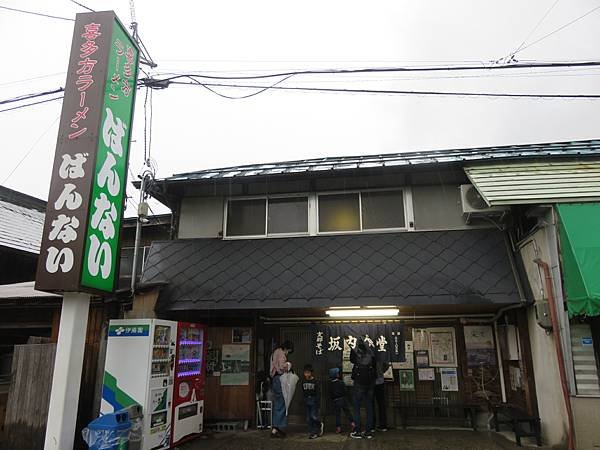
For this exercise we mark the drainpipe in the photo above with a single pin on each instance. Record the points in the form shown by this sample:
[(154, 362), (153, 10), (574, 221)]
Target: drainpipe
[(559, 353)]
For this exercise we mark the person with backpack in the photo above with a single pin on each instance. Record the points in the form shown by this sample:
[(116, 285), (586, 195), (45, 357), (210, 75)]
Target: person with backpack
[(279, 365), (363, 374)]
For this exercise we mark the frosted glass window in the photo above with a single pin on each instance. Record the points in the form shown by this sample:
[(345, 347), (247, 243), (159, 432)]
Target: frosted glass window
[(382, 209), (339, 212), (288, 215), (246, 217)]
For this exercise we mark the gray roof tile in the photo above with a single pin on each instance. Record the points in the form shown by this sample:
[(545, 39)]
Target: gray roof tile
[(442, 267), (20, 227)]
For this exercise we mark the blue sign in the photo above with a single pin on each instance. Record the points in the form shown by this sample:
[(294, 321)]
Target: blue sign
[(129, 330), (587, 341)]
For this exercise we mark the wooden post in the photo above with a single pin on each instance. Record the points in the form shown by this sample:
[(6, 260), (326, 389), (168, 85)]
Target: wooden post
[(66, 380)]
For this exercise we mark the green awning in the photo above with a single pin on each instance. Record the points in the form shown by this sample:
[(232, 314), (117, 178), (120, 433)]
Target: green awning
[(580, 249)]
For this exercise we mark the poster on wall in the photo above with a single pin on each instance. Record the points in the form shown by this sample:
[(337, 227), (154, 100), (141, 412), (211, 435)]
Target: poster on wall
[(213, 364), (348, 381), (241, 336), (409, 362), (407, 380), (442, 347), (422, 358), (420, 339), (515, 378), (426, 374), (479, 345), (388, 375), (235, 365), (449, 378)]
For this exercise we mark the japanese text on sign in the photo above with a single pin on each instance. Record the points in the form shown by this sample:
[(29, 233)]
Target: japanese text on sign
[(86, 77)]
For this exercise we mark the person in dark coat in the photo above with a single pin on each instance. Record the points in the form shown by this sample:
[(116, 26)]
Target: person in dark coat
[(337, 392), (363, 374)]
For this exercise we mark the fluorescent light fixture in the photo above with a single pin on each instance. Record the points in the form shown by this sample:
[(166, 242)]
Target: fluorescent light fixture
[(345, 307), (378, 312)]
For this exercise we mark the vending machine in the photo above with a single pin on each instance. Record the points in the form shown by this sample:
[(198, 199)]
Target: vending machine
[(139, 369), (188, 392)]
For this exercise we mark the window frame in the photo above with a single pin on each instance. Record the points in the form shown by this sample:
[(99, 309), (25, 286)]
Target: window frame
[(407, 203), (312, 216), (266, 198)]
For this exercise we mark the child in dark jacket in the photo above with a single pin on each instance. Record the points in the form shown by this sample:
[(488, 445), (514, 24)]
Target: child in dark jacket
[(337, 391), (312, 400)]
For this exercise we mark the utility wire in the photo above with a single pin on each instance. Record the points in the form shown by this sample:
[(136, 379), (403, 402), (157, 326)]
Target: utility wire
[(262, 89), (393, 69), (36, 13), (29, 96), (284, 76), (30, 150), (31, 104), (32, 78), (83, 6), (534, 29), (394, 92), (559, 28)]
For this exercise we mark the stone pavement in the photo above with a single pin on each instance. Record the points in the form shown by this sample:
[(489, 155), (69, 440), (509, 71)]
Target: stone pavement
[(414, 439)]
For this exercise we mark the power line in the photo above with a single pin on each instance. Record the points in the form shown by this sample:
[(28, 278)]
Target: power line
[(36, 13), (29, 96), (83, 6), (243, 96), (32, 78), (30, 150), (31, 104), (559, 28), (395, 92), (533, 30), (530, 65)]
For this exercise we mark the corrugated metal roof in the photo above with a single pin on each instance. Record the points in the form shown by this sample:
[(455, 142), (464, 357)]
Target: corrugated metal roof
[(548, 150), (20, 227), (551, 182), (23, 290)]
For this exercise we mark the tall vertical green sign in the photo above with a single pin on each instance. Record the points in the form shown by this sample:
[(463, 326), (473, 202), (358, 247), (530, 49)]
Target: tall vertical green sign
[(79, 250), (100, 261)]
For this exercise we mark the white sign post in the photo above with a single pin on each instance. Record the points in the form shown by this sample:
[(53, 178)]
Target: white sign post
[(68, 364)]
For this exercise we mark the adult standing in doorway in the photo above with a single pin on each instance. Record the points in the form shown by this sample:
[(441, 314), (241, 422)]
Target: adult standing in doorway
[(279, 365), (363, 374), (381, 366)]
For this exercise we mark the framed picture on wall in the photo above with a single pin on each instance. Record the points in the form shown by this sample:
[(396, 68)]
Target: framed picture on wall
[(407, 380), (442, 347), (241, 336)]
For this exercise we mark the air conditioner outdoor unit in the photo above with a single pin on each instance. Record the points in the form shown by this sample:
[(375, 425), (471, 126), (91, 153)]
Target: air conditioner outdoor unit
[(473, 204)]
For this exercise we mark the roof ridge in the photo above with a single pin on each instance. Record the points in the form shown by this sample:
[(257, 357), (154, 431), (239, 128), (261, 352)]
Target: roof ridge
[(406, 155)]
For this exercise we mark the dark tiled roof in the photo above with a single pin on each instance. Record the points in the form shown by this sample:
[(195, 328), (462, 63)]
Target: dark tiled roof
[(523, 151), (416, 268)]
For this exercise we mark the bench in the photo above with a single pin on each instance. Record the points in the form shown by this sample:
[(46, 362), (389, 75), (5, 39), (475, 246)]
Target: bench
[(469, 410), (508, 414)]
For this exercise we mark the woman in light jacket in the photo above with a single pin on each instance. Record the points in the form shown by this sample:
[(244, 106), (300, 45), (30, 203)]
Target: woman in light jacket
[(279, 365)]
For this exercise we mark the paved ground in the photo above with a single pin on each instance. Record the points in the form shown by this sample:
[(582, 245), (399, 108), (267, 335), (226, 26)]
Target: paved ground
[(421, 439)]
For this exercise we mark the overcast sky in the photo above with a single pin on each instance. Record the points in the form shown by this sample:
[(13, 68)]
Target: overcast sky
[(194, 129)]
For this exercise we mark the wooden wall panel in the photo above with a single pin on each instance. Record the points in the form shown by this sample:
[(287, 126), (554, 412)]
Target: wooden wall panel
[(29, 396), (229, 402)]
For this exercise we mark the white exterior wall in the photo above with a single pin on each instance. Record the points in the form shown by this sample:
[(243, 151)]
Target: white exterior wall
[(550, 401), (434, 207)]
